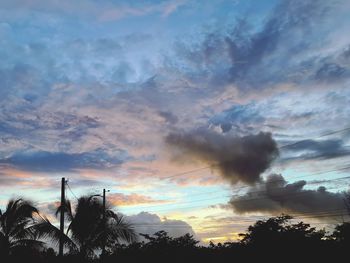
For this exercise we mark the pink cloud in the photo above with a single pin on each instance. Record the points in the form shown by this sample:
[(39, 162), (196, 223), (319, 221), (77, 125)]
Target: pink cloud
[(120, 199)]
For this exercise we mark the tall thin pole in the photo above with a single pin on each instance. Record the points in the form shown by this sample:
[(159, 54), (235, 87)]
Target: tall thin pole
[(104, 203), (63, 203), (104, 223)]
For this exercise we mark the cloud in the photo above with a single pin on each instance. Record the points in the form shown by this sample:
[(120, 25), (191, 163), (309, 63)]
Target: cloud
[(123, 72), (120, 199), (331, 72), (238, 159), (74, 91), (9, 181), (316, 149), (286, 47), (147, 223), (239, 118), (169, 117), (276, 196), (104, 11), (62, 162)]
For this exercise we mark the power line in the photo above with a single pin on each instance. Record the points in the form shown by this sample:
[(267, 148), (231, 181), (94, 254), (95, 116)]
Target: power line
[(237, 189), (243, 200), (283, 146), (320, 214), (189, 172), (276, 180), (320, 136), (243, 187), (70, 190), (261, 191), (280, 147)]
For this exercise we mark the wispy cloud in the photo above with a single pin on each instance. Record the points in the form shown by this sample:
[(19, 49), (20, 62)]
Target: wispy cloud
[(120, 199)]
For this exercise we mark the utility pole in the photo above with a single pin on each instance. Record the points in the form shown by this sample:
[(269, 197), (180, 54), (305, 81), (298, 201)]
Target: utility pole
[(104, 222), (104, 203), (63, 204)]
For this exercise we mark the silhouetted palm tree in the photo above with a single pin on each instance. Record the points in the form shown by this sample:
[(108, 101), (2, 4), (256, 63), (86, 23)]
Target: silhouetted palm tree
[(16, 226), (88, 230)]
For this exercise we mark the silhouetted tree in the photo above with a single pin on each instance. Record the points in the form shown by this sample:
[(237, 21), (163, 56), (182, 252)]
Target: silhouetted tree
[(347, 202), (161, 240), (159, 247), (87, 230), (264, 231), (342, 233), (278, 231), (16, 224)]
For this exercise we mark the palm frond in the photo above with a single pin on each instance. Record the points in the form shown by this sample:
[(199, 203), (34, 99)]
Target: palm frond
[(17, 216), (35, 244), (117, 228), (21, 231), (44, 229)]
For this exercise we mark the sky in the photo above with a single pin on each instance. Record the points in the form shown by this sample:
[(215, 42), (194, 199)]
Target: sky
[(198, 116)]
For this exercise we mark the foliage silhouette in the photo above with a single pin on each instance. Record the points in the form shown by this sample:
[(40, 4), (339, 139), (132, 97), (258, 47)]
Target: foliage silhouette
[(342, 233), (279, 231), (87, 231), (16, 224)]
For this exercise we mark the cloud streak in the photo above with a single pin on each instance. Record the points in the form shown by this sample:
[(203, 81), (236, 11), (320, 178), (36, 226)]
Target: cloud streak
[(103, 11), (120, 199), (63, 162), (317, 149)]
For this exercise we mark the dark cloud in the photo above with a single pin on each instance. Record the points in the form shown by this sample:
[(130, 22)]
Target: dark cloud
[(276, 196), (225, 127), (169, 117), (236, 158), (60, 161), (313, 149)]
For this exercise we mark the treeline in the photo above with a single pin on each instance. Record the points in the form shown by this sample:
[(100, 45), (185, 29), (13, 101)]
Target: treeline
[(27, 236), (274, 239)]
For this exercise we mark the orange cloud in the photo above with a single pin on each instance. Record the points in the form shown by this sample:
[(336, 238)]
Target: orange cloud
[(9, 171), (120, 199)]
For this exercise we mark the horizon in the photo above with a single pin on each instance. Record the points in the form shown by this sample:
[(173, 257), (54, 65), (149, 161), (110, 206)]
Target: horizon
[(197, 116)]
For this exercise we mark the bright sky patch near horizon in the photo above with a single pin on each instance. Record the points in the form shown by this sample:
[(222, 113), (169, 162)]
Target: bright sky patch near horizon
[(170, 105)]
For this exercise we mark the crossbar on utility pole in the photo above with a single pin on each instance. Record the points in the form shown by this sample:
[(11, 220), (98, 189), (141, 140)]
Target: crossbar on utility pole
[(63, 204)]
